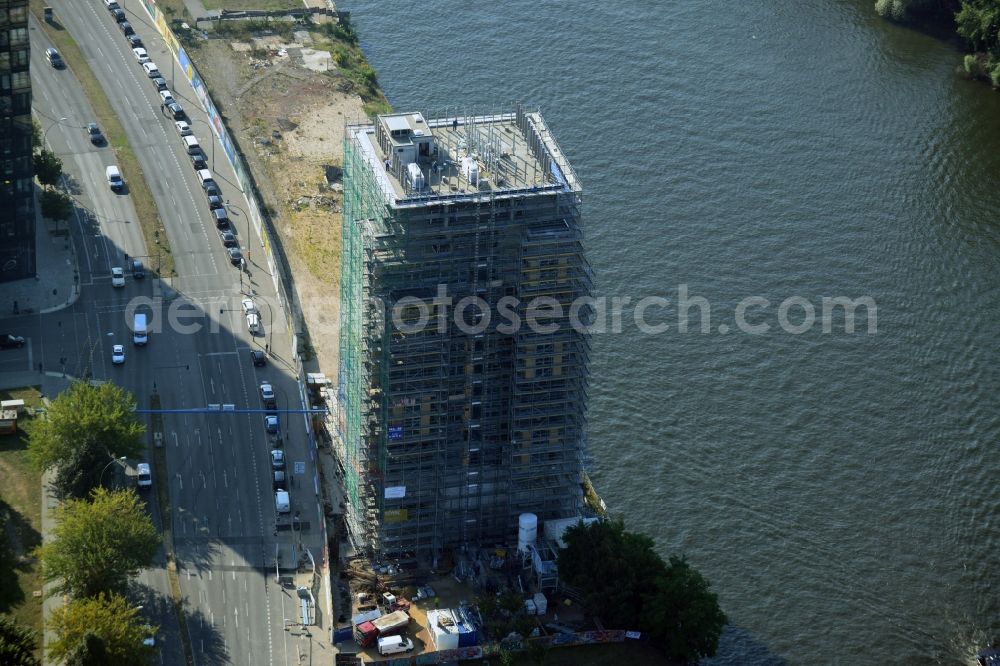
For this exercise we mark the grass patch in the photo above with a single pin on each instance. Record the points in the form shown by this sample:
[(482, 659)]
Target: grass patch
[(142, 198), (263, 5), (21, 521)]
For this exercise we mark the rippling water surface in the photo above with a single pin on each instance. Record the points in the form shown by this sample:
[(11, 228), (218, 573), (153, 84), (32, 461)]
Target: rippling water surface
[(838, 489)]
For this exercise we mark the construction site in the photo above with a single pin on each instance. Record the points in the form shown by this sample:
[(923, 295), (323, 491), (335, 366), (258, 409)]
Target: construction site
[(457, 411)]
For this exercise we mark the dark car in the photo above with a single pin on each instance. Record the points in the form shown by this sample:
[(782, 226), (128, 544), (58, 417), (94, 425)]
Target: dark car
[(176, 110), (221, 217), (134, 41), (279, 480), (118, 14), (198, 161), (112, 6), (258, 357), (138, 272), (228, 239), (94, 132), (235, 256), (8, 341), (126, 28), (214, 202), (211, 189), (160, 83)]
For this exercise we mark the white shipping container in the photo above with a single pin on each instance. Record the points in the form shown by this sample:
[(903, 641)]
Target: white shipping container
[(541, 603), (529, 607)]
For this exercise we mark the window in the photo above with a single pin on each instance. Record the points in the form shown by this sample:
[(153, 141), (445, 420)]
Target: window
[(18, 36), (20, 80), (19, 58), (18, 14)]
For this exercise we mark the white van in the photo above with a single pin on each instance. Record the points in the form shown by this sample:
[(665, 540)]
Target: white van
[(139, 329), (205, 176), (143, 478), (394, 645), (151, 70), (191, 144), (281, 503), (253, 323), (114, 177)]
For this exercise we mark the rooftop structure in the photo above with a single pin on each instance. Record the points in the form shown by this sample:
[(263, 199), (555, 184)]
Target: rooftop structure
[(456, 415)]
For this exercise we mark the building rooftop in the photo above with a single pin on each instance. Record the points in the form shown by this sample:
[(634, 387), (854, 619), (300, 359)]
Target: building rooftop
[(417, 161)]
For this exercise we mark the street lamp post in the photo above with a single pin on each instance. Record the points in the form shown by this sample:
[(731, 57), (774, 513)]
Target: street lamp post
[(113, 461), (211, 133), (230, 204), (45, 135)]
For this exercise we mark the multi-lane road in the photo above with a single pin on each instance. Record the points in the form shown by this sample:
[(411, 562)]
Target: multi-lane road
[(226, 533)]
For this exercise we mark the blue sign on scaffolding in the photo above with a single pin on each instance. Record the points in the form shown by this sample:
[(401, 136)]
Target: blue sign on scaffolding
[(395, 432)]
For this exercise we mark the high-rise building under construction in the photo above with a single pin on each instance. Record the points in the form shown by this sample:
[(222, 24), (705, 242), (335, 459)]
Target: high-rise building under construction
[(463, 366)]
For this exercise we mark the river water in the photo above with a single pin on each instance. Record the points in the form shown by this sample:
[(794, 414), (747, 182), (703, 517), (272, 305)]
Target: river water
[(838, 489)]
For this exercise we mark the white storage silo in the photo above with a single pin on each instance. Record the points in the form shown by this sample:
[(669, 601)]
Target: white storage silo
[(527, 531)]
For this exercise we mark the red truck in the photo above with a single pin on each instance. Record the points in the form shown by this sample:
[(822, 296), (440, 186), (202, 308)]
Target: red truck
[(367, 633)]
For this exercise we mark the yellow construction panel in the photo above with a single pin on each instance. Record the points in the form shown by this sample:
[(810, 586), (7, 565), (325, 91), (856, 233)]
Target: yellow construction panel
[(396, 515)]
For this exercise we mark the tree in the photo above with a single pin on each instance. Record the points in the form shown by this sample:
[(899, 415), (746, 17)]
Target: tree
[(96, 546), (48, 167), (91, 651), (109, 618), (105, 413), (83, 470), (620, 575), (978, 22), (17, 644), (682, 613), (36, 135), (56, 205)]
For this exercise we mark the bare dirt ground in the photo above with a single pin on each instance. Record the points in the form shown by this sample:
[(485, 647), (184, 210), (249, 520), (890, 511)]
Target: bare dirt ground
[(289, 122)]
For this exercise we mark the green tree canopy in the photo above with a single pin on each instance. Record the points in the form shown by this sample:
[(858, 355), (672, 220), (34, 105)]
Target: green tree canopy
[(17, 644), (85, 468), (48, 167), (56, 205), (105, 413), (91, 651), (978, 21), (624, 580), (111, 619), (96, 546)]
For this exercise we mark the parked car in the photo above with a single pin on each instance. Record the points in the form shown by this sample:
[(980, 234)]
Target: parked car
[(267, 395), (215, 201), (167, 97), (271, 424), (134, 40), (94, 132), (227, 237), (277, 459), (248, 306), (119, 15), (110, 4), (258, 358), (176, 111), (198, 161), (140, 55), (126, 28), (150, 68), (278, 481), (160, 83), (235, 256), (118, 354), (8, 341), (54, 58), (143, 477), (221, 217), (182, 127)]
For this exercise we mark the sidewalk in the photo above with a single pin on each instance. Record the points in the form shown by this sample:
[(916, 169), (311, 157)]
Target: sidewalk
[(56, 284)]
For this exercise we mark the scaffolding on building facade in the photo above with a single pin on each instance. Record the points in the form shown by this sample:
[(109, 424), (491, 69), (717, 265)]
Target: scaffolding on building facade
[(454, 419)]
